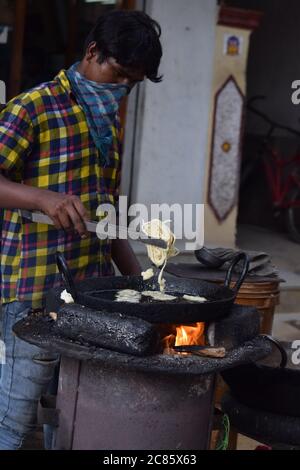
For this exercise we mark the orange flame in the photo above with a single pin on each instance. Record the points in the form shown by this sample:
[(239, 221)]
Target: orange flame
[(190, 335), (185, 335)]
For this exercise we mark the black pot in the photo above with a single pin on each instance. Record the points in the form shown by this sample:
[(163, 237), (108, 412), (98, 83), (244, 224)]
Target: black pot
[(269, 386)]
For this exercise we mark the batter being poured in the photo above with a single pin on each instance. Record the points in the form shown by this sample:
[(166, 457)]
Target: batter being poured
[(160, 256)]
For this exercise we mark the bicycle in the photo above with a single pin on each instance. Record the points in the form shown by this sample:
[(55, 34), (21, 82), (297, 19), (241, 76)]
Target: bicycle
[(284, 186)]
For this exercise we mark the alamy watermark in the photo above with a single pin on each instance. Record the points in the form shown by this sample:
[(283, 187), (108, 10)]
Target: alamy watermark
[(296, 353), (296, 93), (2, 92), (2, 353), (186, 221)]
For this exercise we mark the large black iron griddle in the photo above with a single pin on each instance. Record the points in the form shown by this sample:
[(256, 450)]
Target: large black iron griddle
[(92, 293)]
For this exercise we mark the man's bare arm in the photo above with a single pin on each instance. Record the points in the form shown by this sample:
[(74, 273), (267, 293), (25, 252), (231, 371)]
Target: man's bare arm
[(125, 259), (66, 211)]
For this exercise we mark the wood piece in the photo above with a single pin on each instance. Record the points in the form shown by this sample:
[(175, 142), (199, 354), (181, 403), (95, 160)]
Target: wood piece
[(211, 352), (202, 351), (108, 330)]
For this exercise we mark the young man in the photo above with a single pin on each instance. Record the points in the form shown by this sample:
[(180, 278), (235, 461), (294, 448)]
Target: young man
[(60, 154)]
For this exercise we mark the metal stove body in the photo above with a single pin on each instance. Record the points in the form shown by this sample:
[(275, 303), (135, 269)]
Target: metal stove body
[(145, 403), (104, 407)]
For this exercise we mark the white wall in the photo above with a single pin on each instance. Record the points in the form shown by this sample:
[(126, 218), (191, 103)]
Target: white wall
[(169, 151)]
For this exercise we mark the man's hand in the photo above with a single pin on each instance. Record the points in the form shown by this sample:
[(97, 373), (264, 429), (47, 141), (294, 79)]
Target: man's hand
[(67, 212)]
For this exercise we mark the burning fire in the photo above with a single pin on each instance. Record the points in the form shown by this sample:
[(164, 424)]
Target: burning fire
[(191, 335)]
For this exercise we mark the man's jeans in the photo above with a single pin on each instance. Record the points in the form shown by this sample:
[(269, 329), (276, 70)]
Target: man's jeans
[(25, 376)]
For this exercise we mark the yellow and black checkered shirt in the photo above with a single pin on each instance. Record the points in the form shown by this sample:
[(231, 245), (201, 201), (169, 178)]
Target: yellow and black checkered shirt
[(45, 142)]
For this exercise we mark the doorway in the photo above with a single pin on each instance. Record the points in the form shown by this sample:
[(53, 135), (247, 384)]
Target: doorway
[(272, 67), (44, 37)]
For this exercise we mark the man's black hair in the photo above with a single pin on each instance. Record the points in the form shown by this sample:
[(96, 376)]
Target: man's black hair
[(132, 38)]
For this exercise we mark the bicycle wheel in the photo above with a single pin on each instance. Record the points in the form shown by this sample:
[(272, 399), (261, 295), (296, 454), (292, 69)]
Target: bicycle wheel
[(293, 217)]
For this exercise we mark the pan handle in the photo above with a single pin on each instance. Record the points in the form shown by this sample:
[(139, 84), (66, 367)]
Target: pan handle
[(66, 274), (239, 257), (284, 357)]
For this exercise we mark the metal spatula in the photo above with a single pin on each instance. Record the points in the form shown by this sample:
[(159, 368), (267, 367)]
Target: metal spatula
[(94, 227)]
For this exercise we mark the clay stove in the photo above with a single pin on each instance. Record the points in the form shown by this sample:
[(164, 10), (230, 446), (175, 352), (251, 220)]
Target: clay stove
[(114, 401)]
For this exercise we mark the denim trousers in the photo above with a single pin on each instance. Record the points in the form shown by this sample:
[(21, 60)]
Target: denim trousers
[(25, 376)]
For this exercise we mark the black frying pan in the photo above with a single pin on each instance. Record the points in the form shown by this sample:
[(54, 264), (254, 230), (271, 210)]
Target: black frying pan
[(271, 385), (99, 293)]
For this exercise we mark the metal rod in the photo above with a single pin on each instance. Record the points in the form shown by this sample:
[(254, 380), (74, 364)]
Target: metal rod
[(110, 230)]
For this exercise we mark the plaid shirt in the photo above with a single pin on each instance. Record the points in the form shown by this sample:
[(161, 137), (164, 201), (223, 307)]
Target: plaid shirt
[(45, 142)]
